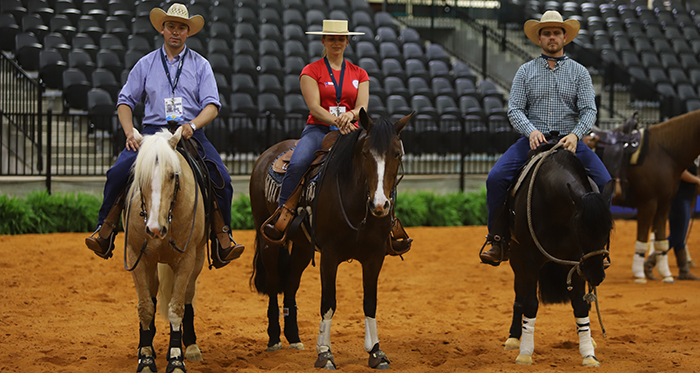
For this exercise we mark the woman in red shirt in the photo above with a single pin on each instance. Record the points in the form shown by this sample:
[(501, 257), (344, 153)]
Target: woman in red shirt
[(334, 90)]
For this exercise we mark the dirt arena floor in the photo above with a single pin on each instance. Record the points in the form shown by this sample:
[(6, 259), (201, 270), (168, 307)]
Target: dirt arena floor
[(440, 310)]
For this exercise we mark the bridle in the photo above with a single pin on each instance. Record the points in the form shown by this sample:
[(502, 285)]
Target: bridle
[(144, 214)]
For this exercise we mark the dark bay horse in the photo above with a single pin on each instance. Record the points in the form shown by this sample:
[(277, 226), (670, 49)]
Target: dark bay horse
[(351, 221), (560, 230), (165, 237), (672, 147)]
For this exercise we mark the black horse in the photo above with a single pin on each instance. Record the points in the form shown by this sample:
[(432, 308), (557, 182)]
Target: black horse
[(560, 231), (351, 221)]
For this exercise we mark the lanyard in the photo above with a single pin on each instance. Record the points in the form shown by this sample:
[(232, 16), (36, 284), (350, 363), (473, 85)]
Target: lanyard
[(338, 87), (179, 70)]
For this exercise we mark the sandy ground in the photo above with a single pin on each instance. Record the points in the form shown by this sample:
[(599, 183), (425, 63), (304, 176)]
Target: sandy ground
[(440, 310)]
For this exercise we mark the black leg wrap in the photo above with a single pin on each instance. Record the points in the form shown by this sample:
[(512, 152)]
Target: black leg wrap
[(378, 359), (188, 335), (273, 325), (175, 340), (291, 329)]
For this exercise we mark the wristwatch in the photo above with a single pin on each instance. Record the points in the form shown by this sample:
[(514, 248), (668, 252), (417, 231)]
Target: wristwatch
[(194, 128)]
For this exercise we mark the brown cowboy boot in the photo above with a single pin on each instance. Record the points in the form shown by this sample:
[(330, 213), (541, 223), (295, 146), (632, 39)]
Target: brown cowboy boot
[(102, 240), (224, 248), (400, 242), (275, 233), (683, 267), (497, 253)]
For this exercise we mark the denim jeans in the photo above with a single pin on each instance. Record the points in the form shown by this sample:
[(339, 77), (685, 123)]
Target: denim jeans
[(311, 139), (506, 168), (118, 175)]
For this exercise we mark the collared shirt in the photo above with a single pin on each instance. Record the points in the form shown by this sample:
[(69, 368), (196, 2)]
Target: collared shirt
[(560, 99), (196, 86)]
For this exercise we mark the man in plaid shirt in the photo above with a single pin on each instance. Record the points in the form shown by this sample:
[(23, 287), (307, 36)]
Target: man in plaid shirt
[(550, 93)]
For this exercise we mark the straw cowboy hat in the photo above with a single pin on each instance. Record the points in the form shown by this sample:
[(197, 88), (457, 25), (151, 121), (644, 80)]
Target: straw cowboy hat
[(551, 18), (334, 27), (176, 13)]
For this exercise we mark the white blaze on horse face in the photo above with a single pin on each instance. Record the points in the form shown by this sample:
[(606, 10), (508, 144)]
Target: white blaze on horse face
[(154, 212), (379, 199)]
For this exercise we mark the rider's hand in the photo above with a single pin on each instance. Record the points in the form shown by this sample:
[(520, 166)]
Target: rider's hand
[(536, 138), (133, 140), (569, 142), (344, 122)]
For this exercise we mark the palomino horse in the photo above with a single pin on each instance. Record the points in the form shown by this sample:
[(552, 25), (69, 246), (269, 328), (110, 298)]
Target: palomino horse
[(560, 231), (170, 229), (671, 148), (352, 221)]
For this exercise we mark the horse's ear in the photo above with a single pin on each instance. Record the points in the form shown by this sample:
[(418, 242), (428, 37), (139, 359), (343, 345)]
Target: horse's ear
[(608, 190), (365, 120), (176, 138), (398, 126)]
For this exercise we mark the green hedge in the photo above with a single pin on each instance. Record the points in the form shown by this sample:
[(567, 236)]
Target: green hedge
[(40, 212)]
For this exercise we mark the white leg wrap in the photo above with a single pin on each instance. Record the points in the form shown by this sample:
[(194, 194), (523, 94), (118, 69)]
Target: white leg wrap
[(371, 336), (585, 343), (527, 340), (323, 343), (640, 248), (660, 248)]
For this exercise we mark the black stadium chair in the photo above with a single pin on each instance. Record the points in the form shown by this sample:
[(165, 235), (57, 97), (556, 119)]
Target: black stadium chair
[(101, 108), (51, 68), (9, 30), (75, 89), (104, 79), (27, 53)]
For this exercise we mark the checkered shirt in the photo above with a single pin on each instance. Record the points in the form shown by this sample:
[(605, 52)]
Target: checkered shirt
[(561, 100)]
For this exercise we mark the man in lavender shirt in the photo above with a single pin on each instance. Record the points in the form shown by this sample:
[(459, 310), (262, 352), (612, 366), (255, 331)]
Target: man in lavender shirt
[(179, 85)]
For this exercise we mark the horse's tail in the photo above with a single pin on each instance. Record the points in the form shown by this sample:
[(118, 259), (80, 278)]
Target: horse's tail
[(166, 279), (259, 277), (553, 283)]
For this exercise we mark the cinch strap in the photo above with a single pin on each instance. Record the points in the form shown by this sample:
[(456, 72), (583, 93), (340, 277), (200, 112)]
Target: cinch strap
[(179, 69), (338, 87)]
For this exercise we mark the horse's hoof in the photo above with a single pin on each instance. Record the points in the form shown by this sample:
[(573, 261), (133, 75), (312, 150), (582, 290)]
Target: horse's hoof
[(640, 280), (591, 361), (275, 347), (383, 366), (176, 365), (325, 361), (524, 360), (512, 344), (668, 280), (296, 346), (192, 353)]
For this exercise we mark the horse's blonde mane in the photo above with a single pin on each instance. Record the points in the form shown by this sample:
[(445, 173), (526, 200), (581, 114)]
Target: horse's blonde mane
[(155, 150)]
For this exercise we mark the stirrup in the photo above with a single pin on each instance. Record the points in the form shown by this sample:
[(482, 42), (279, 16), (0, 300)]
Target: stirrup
[(495, 241), (272, 221), (104, 254)]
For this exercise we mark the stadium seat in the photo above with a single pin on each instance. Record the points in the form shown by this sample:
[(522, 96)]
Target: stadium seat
[(75, 89), (410, 35), (270, 104), (101, 108), (271, 65), (394, 85), (269, 15), (56, 41), (51, 67), (376, 88), (269, 83), (243, 103), (364, 49), (376, 106), (390, 50), (243, 83), (9, 30), (293, 16), (371, 67), (396, 104), (293, 32), (244, 64), (442, 86), (28, 49), (294, 65), (418, 86), (269, 47), (34, 24), (446, 106), (439, 69), (387, 35), (110, 60), (393, 68), (469, 105), (244, 47), (115, 26), (271, 32), (435, 52), (488, 88), (245, 31), (362, 18), (89, 25), (423, 105), (315, 17), (294, 104), (104, 79), (416, 68)]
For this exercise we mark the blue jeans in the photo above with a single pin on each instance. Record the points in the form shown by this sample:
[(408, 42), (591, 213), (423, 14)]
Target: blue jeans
[(503, 172), (311, 139), (118, 176), (678, 221)]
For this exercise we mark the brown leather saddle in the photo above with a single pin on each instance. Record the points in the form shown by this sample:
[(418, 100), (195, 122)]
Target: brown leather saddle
[(280, 164), (619, 148)]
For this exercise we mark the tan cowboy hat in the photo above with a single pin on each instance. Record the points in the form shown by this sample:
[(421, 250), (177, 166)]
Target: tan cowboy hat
[(551, 18), (176, 13), (334, 27)]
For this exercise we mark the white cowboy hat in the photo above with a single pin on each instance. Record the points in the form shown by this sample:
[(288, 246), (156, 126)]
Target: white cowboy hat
[(551, 18), (334, 27), (176, 13)]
